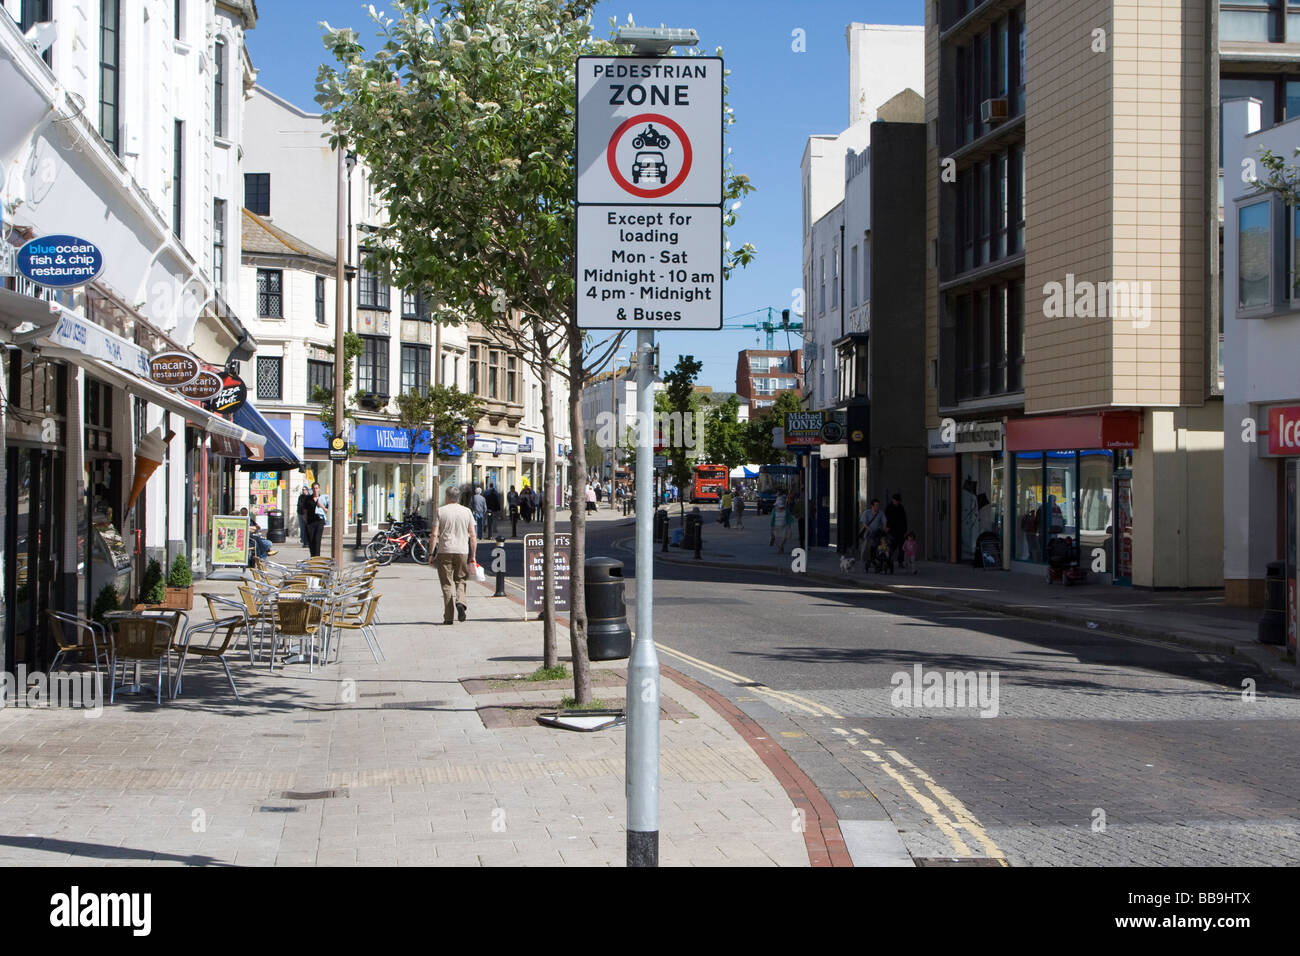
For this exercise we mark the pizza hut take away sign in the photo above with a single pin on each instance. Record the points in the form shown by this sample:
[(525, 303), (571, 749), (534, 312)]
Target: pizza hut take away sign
[(233, 394)]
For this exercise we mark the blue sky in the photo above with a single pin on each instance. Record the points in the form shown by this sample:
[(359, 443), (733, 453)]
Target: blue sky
[(780, 98)]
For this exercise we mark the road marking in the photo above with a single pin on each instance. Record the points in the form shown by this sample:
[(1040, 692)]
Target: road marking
[(928, 806), (794, 700), (964, 818)]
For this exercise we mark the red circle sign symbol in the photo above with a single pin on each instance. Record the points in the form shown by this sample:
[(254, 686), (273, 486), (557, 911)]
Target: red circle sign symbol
[(612, 160)]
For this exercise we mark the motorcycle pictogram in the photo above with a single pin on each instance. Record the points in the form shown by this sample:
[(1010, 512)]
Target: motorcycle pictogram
[(651, 136)]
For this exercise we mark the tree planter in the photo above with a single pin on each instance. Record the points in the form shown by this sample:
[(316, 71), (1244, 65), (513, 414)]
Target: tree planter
[(179, 599)]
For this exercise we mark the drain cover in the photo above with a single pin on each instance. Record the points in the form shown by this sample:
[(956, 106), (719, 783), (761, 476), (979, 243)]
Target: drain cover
[(957, 861), (278, 809), (312, 795)]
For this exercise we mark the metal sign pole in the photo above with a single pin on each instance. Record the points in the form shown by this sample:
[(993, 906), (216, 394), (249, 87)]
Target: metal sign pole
[(642, 764)]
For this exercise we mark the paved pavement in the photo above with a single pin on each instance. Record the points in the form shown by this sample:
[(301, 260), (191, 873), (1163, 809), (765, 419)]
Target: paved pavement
[(1196, 619), (365, 763)]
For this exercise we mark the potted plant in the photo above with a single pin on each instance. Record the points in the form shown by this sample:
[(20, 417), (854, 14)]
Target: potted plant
[(180, 586), (152, 590), (105, 602)]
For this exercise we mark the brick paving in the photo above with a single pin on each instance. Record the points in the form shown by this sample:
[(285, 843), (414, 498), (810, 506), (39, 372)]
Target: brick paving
[(363, 763)]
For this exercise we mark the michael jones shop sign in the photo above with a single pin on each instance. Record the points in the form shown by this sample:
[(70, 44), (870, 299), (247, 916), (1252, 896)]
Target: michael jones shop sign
[(60, 262)]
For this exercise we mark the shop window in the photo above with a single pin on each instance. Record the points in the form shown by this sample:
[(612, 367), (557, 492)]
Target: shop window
[(1096, 503), (270, 378), (1028, 492), (270, 293), (981, 500), (98, 416), (320, 376)]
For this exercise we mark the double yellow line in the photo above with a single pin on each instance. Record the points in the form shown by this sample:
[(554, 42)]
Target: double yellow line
[(785, 697), (950, 823)]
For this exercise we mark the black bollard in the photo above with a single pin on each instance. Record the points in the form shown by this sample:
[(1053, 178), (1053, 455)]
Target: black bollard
[(358, 546), (501, 575), (514, 523)]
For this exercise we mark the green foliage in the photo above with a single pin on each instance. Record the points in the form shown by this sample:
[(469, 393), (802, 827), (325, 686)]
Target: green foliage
[(353, 346), (571, 703), (107, 600), (180, 576), (465, 119), (725, 436), (434, 416), (151, 584), (758, 438), (1283, 178), (558, 672), (679, 397)]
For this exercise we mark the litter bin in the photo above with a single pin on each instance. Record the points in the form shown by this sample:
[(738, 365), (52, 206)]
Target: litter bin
[(1272, 626), (275, 526), (609, 638), (694, 538), (661, 524)]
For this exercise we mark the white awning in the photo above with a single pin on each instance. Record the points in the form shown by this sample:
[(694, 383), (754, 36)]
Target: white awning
[(17, 310), (157, 395)]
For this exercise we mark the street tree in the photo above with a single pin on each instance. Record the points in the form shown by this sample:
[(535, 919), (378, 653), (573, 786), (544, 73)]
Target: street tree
[(465, 118), (433, 417), (758, 438), (681, 405), (724, 434), (353, 346)]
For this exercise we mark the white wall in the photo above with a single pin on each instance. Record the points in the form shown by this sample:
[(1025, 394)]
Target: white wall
[(884, 59)]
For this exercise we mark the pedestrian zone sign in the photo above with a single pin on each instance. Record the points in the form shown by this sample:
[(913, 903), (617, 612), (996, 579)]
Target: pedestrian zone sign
[(649, 192)]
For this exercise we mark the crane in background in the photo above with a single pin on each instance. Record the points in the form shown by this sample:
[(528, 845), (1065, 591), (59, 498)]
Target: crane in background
[(732, 323)]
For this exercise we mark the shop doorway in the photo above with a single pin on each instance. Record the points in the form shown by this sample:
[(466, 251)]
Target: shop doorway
[(1122, 537), (940, 491), (34, 533)]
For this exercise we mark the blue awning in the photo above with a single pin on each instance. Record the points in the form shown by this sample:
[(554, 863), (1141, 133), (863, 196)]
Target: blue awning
[(279, 456)]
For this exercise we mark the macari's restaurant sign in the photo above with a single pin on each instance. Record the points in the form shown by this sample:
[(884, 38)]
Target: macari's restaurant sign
[(173, 369)]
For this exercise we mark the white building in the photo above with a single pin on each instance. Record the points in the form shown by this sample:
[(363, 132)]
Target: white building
[(884, 60), (291, 177), (122, 128), (1261, 340)]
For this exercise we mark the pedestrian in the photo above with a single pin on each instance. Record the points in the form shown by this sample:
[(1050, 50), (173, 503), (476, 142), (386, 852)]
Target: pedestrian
[(456, 542), (738, 510), (909, 552), (873, 527), (493, 498), (526, 506), (795, 506), (512, 502), (724, 509), (896, 525), (780, 523), (304, 510), (315, 511), (260, 543), (591, 498), (480, 510), (599, 492)]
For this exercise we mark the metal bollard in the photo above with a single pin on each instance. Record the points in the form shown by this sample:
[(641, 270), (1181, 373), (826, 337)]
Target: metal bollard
[(695, 530), (514, 522), (358, 545), (501, 575)]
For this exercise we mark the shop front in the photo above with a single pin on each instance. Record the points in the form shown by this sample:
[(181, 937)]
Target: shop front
[(980, 492), (1071, 477), (1283, 446), (381, 473)]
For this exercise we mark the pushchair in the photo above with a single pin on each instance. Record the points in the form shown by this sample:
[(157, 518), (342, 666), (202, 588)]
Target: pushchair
[(1063, 562), (880, 554)]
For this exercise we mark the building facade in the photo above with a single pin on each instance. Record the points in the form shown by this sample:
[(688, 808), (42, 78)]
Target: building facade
[(1071, 288), (763, 375), (123, 128)]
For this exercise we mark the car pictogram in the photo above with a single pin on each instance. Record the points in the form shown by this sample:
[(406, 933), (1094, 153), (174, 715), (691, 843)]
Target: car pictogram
[(649, 164)]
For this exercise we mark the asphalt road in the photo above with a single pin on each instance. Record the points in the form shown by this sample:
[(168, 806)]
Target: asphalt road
[(1053, 745)]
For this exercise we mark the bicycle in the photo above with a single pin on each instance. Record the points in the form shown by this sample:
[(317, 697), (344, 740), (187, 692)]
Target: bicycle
[(411, 543)]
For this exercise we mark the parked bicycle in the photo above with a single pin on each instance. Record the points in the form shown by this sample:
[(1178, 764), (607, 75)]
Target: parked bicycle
[(391, 545)]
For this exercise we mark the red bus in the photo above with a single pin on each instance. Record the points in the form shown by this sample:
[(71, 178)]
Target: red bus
[(711, 481)]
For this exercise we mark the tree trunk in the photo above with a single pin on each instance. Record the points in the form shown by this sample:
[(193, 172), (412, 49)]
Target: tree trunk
[(549, 651), (578, 525)]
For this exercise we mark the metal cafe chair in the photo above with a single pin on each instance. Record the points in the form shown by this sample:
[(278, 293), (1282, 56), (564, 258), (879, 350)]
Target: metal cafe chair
[(144, 637), (75, 635), (219, 634), (300, 619), (358, 614)]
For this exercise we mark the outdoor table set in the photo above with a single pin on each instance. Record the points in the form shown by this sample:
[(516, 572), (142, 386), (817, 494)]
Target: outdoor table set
[(307, 609)]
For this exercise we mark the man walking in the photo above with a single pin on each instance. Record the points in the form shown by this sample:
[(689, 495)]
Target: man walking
[(453, 531), (896, 525), (480, 510), (493, 498)]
